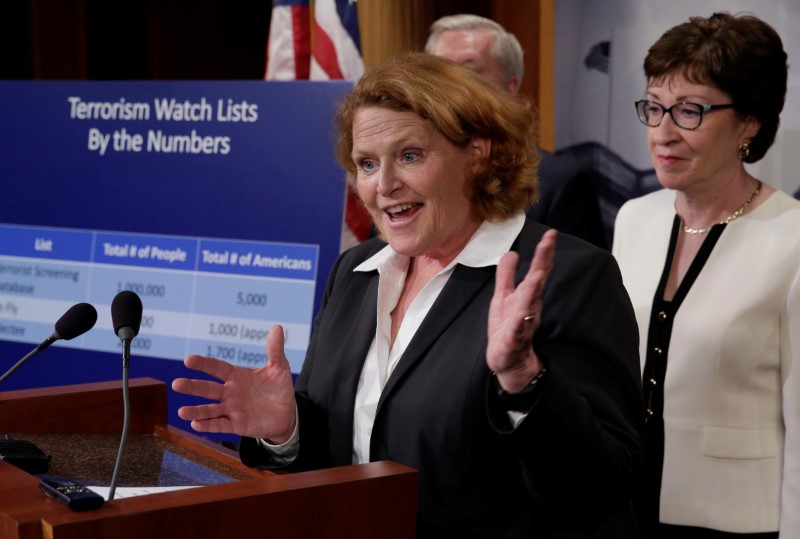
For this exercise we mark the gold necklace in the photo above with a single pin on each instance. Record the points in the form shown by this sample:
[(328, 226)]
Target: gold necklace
[(732, 217)]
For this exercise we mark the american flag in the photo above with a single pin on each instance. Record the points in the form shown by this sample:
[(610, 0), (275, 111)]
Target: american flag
[(337, 43), (336, 55), (289, 45)]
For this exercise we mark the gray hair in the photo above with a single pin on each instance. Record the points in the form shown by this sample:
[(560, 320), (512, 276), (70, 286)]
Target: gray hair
[(506, 51)]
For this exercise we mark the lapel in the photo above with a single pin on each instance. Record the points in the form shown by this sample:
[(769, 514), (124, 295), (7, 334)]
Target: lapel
[(359, 336), (453, 301), (359, 304)]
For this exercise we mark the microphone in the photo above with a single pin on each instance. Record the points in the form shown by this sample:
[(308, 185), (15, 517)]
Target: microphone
[(126, 315), (78, 319)]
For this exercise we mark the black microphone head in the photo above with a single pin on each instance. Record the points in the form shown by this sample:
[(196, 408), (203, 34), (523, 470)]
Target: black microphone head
[(126, 312), (79, 319)]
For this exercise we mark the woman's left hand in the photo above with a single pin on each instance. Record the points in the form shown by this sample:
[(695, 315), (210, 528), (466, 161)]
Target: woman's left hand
[(515, 314)]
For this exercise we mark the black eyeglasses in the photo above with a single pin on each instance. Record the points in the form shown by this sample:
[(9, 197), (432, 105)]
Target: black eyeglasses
[(685, 115)]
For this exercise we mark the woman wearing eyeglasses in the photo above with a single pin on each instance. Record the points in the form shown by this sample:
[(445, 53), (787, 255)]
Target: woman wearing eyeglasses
[(712, 265)]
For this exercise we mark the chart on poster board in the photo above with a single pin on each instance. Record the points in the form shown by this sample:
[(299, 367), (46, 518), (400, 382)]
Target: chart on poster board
[(219, 203)]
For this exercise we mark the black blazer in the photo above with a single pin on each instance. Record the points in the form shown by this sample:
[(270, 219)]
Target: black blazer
[(566, 471)]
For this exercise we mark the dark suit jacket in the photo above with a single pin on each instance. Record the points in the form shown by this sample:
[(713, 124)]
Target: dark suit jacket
[(567, 469), (568, 200)]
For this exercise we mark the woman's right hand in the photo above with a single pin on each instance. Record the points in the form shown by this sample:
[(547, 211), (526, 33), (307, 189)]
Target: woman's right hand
[(258, 403)]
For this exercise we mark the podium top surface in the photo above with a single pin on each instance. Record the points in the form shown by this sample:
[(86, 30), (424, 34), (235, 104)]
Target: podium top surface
[(148, 461)]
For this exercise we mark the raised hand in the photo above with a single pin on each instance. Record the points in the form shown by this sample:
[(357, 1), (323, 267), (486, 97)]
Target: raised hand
[(515, 314), (250, 402)]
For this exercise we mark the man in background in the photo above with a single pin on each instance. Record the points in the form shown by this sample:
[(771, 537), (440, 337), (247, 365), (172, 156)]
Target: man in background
[(568, 201), (481, 45)]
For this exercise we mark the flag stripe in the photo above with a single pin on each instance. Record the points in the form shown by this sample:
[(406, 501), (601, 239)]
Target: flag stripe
[(301, 17), (288, 49), (325, 54), (339, 46)]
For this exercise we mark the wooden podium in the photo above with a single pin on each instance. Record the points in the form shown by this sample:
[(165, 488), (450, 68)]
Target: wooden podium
[(80, 427)]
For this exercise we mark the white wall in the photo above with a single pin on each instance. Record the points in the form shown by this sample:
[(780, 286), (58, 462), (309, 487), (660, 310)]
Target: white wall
[(591, 106)]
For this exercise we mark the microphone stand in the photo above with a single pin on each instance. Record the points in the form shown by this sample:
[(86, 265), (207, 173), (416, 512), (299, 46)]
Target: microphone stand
[(76, 321), (126, 359), (44, 344)]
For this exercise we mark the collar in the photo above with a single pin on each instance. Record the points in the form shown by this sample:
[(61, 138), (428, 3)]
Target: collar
[(484, 248)]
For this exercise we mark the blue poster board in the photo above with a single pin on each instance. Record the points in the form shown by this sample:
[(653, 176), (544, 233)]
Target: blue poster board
[(219, 203)]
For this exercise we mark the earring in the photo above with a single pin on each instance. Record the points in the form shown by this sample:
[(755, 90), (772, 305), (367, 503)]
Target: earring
[(744, 150)]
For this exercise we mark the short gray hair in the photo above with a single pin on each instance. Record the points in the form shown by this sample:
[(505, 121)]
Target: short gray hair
[(506, 51)]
